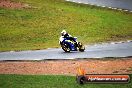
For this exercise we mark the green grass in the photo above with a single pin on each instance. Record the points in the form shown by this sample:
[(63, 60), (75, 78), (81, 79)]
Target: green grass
[(39, 28), (50, 81)]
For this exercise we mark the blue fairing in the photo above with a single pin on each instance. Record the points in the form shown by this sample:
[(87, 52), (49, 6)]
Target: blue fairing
[(70, 44)]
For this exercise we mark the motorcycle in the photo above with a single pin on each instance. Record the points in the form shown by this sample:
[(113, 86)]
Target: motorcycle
[(68, 45)]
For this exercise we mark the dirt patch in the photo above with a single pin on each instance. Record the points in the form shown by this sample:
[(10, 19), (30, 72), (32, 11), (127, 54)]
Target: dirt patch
[(68, 67), (13, 5)]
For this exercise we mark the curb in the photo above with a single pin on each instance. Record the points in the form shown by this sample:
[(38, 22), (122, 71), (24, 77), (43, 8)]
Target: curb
[(90, 44), (125, 10), (127, 41)]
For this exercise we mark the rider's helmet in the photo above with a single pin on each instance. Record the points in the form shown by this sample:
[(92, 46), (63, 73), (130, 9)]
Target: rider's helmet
[(63, 32)]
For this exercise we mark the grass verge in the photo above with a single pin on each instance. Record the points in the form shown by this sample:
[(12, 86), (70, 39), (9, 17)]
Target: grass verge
[(39, 28), (50, 81)]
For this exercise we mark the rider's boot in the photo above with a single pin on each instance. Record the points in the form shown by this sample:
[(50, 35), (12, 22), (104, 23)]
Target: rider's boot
[(76, 43)]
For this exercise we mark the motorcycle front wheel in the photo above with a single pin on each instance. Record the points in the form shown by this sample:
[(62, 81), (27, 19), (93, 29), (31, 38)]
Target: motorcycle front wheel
[(65, 47)]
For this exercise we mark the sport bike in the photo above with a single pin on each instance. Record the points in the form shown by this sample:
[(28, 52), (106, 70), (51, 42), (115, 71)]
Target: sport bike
[(69, 45)]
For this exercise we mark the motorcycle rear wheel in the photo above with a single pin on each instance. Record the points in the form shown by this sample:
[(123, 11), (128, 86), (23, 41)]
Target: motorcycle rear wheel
[(81, 47)]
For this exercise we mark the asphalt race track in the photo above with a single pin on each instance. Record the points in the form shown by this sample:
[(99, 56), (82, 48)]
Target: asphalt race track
[(92, 51), (121, 4)]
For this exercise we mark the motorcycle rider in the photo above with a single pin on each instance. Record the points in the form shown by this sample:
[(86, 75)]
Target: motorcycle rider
[(64, 34)]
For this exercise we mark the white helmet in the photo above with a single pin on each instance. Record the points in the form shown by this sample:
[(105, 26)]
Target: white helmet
[(63, 32)]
